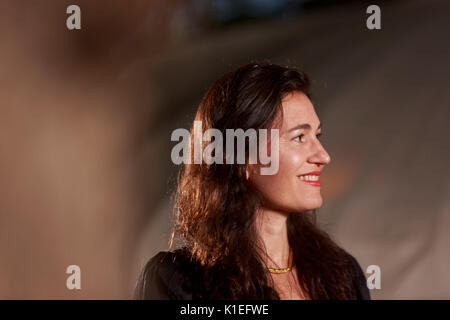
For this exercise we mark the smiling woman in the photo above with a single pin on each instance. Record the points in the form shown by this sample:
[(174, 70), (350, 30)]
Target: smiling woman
[(245, 235)]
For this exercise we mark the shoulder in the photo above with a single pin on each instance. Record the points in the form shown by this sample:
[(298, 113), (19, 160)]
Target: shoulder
[(169, 275), (358, 278)]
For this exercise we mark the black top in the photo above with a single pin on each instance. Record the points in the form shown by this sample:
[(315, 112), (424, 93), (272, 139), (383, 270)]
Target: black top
[(172, 276)]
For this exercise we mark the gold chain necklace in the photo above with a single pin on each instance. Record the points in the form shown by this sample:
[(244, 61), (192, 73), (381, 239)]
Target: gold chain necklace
[(283, 270)]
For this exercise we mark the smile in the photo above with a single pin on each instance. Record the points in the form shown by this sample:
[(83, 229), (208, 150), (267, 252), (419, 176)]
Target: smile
[(311, 178)]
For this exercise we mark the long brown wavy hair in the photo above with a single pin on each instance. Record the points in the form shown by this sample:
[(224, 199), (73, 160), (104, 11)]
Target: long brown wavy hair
[(215, 205)]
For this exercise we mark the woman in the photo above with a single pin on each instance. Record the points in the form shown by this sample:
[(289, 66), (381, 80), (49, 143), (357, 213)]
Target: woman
[(246, 235)]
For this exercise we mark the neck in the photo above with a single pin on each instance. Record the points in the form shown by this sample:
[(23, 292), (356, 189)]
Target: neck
[(272, 230)]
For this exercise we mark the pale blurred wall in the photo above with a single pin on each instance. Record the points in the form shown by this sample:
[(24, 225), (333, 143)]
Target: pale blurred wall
[(75, 161)]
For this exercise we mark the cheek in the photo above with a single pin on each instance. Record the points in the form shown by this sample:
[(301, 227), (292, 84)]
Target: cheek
[(280, 186), (291, 162)]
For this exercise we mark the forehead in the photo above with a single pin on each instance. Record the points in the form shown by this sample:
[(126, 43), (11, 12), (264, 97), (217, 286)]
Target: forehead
[(297, 109)]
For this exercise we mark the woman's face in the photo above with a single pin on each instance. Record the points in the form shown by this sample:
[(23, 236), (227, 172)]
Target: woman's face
[(300, 154)]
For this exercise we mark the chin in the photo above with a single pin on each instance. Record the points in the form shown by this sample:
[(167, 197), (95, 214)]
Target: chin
[(312, 205)]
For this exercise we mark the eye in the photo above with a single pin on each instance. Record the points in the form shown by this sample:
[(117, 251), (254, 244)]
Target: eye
[(299, 138), (318, 135)]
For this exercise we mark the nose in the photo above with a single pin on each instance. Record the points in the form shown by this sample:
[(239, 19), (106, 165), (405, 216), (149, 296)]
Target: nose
[(319, 155)]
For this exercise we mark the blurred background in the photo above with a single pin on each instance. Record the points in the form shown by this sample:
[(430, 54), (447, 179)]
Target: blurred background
[(86, 117)]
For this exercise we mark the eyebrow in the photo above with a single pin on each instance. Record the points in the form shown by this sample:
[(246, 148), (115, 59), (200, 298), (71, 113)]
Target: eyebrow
[(303, 126)]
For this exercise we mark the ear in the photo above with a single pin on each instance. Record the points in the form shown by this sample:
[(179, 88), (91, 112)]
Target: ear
[(249, 171)]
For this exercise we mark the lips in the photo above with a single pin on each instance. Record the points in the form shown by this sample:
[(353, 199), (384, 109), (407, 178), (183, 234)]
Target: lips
[(312, 173), (315, 183)]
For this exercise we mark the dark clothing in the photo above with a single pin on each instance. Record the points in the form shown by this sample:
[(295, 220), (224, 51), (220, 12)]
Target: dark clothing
[(174, 276)]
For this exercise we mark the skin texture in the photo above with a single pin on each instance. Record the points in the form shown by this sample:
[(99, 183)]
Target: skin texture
[(284, 193)]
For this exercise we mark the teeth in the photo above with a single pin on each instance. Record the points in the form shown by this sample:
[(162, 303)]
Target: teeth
[(309, 178)]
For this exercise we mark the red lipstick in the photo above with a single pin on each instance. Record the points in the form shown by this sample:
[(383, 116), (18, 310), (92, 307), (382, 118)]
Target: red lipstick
[(312, 173)]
